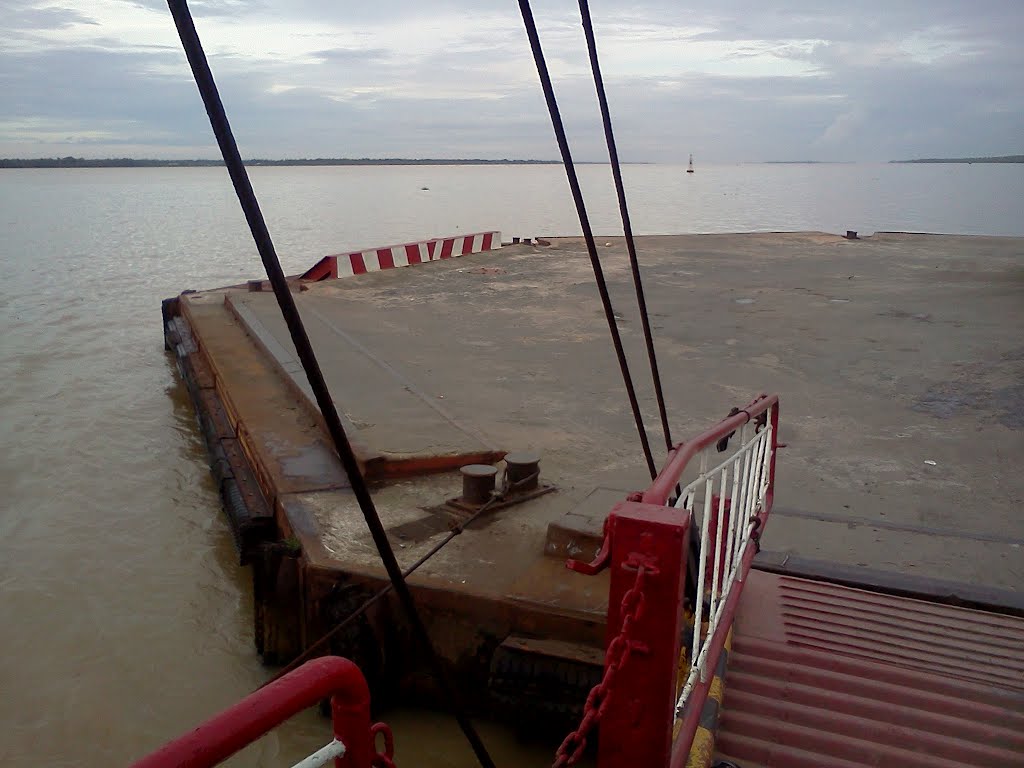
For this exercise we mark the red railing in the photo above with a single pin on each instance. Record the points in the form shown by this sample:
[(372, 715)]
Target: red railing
[(761, 417), (258, 713), (650, 713), (664, 485)]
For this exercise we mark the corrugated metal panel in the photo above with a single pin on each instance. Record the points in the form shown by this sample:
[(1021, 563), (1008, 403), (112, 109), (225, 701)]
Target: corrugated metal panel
[(825, 675)]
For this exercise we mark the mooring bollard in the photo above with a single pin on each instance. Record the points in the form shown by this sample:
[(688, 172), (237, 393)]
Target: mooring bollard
[(522, 466), (477, 483)]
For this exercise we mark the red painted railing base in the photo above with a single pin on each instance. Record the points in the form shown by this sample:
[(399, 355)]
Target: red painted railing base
[(258, 713), (646, 548)]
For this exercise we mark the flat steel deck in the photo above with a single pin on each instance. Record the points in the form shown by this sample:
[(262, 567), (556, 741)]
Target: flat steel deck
[(898, 359)]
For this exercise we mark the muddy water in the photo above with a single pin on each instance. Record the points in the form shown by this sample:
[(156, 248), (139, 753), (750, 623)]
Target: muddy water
[(125, 616)]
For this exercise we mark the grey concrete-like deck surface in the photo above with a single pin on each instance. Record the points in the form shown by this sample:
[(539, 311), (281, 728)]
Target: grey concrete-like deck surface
[(899, 360)]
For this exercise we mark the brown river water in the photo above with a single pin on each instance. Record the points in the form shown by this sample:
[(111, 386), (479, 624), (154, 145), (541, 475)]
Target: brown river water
[(125, 616)]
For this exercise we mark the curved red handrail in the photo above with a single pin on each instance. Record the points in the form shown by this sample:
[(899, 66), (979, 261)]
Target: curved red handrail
[(238, 726), (664, 485)]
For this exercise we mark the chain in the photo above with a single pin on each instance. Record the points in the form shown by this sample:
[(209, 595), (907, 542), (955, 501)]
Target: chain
[(755, 534), (385, 758), (618, 653)]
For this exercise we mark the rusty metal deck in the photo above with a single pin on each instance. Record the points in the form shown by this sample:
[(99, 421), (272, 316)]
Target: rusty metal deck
[(827, 675)]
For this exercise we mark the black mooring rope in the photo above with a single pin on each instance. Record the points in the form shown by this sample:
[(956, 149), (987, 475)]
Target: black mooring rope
[(627, 227), (588, 235), (261, 235)]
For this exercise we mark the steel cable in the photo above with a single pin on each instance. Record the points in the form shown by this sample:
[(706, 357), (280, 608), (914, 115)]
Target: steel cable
[(261, 236), (627, 227), (588, 235)]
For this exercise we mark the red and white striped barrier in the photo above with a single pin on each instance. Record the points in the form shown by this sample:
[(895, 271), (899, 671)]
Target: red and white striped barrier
[(391, 256)]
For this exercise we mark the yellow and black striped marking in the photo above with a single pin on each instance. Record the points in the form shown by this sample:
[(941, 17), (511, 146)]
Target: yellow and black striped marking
[(702, 750)]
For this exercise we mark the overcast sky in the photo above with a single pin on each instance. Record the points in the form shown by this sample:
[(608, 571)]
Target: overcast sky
[(728, 81)]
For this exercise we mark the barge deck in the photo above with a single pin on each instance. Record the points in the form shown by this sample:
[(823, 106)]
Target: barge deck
[(899, 355)]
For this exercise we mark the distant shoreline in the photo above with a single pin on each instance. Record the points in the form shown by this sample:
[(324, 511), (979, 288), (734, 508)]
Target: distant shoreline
[(808, 162), (128, 162), (1000, 159)]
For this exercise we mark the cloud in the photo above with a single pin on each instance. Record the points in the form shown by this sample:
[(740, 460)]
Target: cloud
[(844, 127), (353, 56), (729, 81), (24, 15)]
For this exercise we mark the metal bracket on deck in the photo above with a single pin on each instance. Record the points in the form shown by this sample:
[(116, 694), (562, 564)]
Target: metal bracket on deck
[(458, 510), (600, 562)]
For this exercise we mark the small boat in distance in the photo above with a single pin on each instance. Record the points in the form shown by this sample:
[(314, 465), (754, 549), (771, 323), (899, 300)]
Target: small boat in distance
[(689, 168)]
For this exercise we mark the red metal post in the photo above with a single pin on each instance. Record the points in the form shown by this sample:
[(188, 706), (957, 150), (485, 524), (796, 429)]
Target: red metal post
[(350, 719), (238, 726), (636, 725)]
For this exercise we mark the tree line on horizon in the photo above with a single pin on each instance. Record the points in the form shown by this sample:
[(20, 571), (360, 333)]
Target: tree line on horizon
[(130, 162), (998, 159)]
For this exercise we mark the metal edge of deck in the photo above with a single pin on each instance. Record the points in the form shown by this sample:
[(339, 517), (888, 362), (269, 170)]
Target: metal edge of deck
[(946, 592), (279, 515), (248, 510)]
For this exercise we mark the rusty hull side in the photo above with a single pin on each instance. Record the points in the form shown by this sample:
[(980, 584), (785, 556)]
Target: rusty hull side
[(249, 513)]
